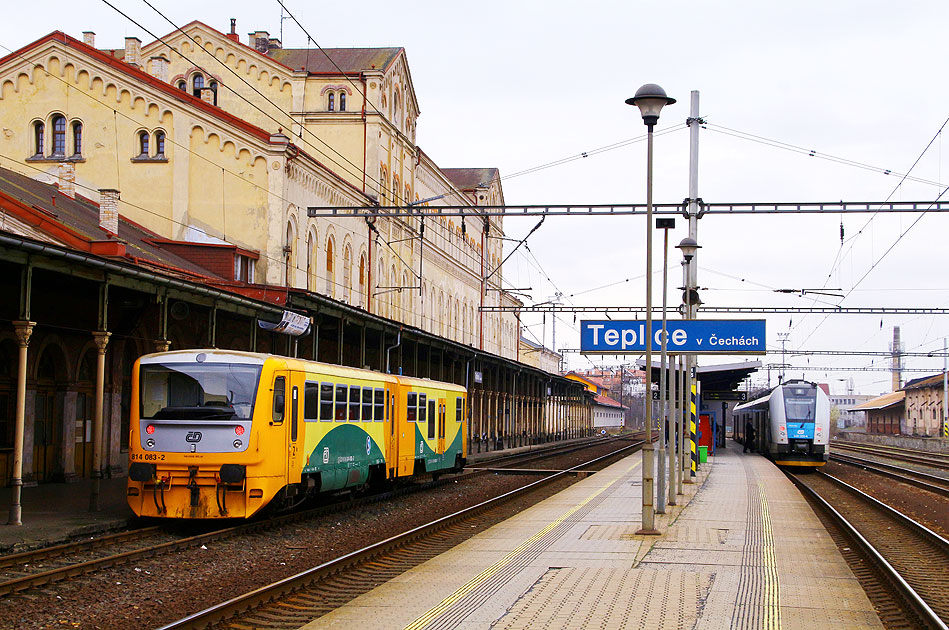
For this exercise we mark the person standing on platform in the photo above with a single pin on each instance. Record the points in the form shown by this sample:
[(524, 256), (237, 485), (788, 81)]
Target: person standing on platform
[(749, 437)]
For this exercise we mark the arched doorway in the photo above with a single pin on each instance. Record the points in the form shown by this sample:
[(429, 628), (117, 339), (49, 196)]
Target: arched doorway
[(85, 413), (48, 415), (8, 367)]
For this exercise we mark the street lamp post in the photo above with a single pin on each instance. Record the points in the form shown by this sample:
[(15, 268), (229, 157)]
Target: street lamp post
[(690, 299), (665, 225), (650, 99)]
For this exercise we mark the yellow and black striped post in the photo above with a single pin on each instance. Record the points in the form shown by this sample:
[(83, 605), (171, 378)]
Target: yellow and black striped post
[(695, 455)]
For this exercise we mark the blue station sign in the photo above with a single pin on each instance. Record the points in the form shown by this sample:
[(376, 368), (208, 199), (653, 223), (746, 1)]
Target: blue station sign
[(712, 336)]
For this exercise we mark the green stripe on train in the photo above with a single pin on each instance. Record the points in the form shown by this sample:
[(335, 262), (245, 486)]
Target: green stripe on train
[(343, 457)]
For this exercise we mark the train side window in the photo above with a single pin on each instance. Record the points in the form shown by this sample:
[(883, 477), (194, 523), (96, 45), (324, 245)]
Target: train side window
[(411, 406), (380, 406), (354, 403), (279, 398), (432, 419), (341, 391), (459, 409), (294, 412), (367, 404), (421, 407), (326, 402), (311, 401)]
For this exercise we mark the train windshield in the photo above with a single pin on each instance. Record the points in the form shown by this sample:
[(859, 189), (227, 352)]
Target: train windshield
[(198, 391), (800, 404)]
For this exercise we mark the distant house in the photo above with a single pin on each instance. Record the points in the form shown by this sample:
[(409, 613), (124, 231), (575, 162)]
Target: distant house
[(607, 413), (847, 404), (884, 413), (924, 406)]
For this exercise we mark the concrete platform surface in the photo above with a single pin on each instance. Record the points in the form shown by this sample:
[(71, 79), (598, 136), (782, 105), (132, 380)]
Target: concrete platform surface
[(51, 513), (746, 551)]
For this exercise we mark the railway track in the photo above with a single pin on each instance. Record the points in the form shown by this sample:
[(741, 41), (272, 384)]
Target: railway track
[(299, 599), (939, 461), (924, 481), (40, 567), (909, 561)]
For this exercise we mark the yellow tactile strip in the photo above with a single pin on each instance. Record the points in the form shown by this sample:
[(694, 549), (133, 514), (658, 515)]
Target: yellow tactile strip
[(610, 598), (757, 604)]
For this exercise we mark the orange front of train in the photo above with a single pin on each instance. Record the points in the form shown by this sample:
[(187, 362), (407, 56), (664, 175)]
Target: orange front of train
[(203, 443)]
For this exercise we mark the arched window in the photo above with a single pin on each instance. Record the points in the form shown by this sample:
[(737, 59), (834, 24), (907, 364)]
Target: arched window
[(213, 86), (342, 101), (347, 274), (197, 84), (362, 281), (310, 262), (331, 102), (380, 282), (38, 138), (77, 138), (393, 294), (159, 144), (290, 251), (59, 135), (143, 144), (330, 267), (183, 86)]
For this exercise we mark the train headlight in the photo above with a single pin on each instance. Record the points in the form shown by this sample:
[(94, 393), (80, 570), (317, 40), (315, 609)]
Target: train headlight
[(150, 443), (238, 444)]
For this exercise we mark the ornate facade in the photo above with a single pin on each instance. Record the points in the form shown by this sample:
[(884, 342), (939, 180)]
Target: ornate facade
[(201, 138)]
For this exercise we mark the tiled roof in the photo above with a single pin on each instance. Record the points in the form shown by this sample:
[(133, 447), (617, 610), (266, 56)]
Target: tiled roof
[(332, 60), (882, 402), (470, 178), (924, 381), (606, 401)]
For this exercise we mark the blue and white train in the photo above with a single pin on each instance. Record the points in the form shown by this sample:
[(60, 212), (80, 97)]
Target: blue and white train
[(791, 423)]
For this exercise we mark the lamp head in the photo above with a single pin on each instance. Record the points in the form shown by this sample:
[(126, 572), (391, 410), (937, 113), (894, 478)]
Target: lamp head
[(650, 99), (689, 246)]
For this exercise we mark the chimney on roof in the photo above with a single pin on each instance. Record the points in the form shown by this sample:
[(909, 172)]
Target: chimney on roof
[(273, 42), (259, 40), (207, 95), (89, 38), (159, 68), (109, 210), (67, 179), (133, 51), (233, 34)]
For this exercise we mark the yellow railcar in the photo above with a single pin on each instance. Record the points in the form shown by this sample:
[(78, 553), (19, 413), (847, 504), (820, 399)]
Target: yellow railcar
[(222, 434)]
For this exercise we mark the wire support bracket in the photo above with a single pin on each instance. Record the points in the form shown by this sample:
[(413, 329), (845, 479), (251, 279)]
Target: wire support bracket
[(609, 210)]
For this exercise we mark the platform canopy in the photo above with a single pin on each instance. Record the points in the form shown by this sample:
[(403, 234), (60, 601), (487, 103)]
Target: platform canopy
[(719, 378)]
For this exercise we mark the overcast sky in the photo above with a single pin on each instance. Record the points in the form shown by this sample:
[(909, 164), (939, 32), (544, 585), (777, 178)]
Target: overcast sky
[(515, 85)]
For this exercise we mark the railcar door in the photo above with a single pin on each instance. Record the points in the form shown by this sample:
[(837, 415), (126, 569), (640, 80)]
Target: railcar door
[(295, 428), (277, 433), (441, 425), (392, 431)]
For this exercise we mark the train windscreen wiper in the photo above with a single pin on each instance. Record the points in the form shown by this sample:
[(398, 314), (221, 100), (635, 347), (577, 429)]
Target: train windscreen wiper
[(196, 412)]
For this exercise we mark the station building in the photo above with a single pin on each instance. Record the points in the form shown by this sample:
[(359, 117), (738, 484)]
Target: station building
[(187, 166)]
